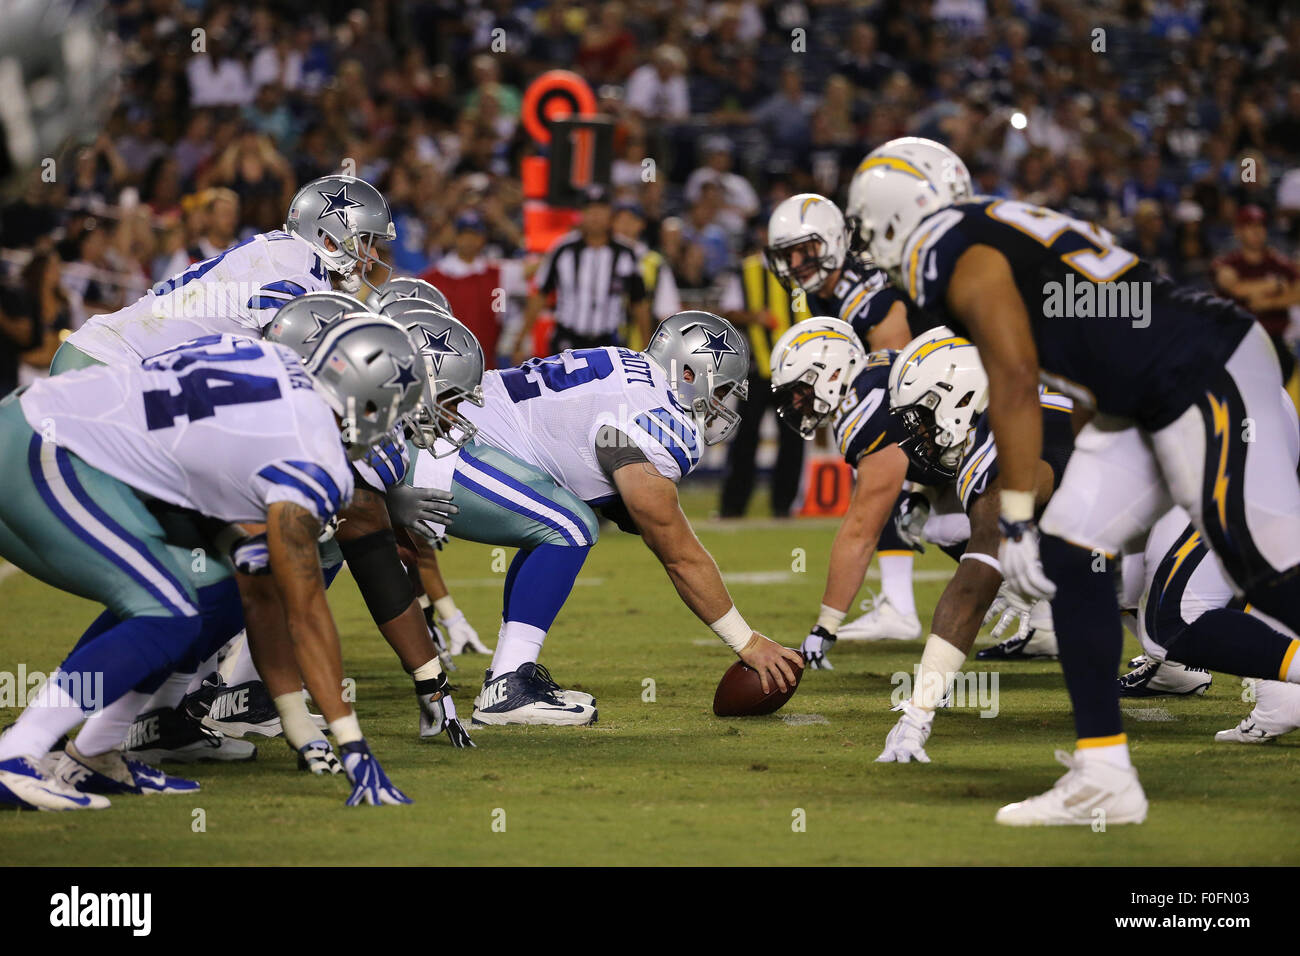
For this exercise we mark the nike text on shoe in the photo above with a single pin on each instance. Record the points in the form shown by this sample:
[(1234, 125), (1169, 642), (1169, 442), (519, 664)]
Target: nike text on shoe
[(173, 735), (1153, 678), (544, 676), (882, 622), (112, 772), (247, 709), (25, 786), (525, 696), (1092, 791)]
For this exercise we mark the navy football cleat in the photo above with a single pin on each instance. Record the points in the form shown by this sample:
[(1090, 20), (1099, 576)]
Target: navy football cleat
[(528, 696)]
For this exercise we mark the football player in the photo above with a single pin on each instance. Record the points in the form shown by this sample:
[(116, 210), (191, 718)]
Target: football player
[(226, 427), (603, 428), (329, 240), (820, 374), (1184, 387)]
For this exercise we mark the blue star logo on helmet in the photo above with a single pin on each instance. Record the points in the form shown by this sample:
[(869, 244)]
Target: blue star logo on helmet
[(338, 204), (716, 344), (403, 375), (439, 345), (322, 322)]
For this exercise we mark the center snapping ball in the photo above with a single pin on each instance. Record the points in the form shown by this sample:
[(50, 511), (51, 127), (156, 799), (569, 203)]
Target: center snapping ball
[(740, 693)]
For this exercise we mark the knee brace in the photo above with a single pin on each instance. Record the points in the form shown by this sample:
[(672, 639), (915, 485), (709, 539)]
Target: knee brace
[(379, 573)]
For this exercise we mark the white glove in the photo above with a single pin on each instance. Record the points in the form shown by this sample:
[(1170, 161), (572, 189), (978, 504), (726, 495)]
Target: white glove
[(1022, 568), (906, 742), (910, 520), (1008, 608), (462, 637), (816, 646)]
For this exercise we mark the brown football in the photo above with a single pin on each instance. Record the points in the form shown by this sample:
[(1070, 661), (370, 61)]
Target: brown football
[(740, 694)]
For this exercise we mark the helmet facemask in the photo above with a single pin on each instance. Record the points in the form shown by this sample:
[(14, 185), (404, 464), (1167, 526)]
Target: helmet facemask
[(715, 420), (360, 428), (799, 405), (935, 446), (441, 419), (358, 249), (817, 265)]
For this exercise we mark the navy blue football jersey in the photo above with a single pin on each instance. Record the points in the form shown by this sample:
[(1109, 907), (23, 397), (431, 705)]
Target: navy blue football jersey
[(980, 464), (862, 297), (1110, 330)]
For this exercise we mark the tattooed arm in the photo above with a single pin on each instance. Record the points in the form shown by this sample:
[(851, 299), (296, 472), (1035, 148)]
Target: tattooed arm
[(295, 565)]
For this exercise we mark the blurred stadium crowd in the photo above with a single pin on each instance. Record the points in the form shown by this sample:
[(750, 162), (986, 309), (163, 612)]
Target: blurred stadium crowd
[(1175, 123)]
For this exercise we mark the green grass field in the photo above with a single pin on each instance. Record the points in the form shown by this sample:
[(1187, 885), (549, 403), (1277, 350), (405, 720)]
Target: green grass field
[(665, 782)]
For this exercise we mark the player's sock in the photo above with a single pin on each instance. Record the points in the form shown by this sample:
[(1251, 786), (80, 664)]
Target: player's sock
[(518, 644), (50, 714), (238, 667), (107, 729), (168, 695), (512, 573), (1235, 643), (896, 580), (1113, 752), (536, 590), (1090, 637)]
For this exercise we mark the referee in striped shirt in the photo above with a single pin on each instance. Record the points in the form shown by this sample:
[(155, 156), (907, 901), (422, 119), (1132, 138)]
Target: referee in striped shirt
[(597, 284)]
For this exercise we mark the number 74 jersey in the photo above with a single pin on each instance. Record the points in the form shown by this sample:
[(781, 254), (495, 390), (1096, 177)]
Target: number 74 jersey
[(223, 425)]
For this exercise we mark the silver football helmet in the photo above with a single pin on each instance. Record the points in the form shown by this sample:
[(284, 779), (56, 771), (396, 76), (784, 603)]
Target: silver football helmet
[(706, 360), (453, 361), (407, 287), (301, 323), (344, 219), (397, 309), (370, 373)]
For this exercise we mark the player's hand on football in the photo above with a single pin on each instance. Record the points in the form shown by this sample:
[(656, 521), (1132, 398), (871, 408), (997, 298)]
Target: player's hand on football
[(1022, 568), (816, 646), (370, 785), (317, 757), (1009, 608), (410, 507), (438, 715), (776, 665), (462, 637), (906, 741)]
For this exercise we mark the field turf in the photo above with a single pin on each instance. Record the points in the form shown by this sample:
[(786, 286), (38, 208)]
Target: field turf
[(663, 781)]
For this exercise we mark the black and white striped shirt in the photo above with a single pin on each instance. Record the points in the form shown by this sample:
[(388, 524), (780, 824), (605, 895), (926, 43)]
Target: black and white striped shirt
[(592, 284)]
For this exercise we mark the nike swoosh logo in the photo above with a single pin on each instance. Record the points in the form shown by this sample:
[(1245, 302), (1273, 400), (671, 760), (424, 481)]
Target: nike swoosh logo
[(79, 801), (575, 709)]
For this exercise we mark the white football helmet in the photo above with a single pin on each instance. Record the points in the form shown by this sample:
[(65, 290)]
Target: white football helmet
[(806, 241), (934, 160), (887, 204), (813, 365), (938, 387)]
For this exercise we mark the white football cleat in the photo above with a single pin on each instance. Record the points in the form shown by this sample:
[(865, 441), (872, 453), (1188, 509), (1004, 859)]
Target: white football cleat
[(1153, 678), (113, 772), (527, 696), (1093, 791), (882, 622), (1248, 732), (23, 784), (1277, 712)]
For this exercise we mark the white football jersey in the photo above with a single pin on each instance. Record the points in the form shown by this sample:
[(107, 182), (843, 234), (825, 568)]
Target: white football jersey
[(238, 291), (547, 412), (224, 425)]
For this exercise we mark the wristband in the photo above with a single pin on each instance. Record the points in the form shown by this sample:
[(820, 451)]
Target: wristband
[(980, 556), (1017, 505), (347, 729), (445, 607), (733, 630), (830, 619), (940, 663)]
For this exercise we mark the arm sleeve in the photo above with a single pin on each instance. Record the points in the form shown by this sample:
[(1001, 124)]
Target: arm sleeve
[(614, 449)]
